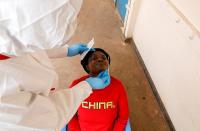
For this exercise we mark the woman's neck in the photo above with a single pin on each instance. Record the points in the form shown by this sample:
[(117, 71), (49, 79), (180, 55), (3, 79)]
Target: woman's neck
[(94, 74)]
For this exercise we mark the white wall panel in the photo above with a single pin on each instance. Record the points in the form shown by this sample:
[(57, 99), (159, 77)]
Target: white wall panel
[(171, 52)]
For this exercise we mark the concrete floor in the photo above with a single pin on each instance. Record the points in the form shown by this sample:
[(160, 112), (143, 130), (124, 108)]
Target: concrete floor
[(99, 19)]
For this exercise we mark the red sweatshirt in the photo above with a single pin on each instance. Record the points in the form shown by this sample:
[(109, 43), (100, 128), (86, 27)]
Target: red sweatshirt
[(104, 110)]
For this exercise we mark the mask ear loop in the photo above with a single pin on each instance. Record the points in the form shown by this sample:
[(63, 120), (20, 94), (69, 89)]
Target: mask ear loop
[(108, 70), (109, 65)]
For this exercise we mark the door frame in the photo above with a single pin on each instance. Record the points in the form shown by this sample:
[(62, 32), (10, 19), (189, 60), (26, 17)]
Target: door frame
[(133, 8)]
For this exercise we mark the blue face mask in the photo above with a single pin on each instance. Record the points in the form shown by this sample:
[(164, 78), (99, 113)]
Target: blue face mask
[(101, 81)]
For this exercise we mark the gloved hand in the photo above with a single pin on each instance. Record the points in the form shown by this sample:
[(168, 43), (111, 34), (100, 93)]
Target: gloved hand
[(101, 81), (76, 49), (128, 126)]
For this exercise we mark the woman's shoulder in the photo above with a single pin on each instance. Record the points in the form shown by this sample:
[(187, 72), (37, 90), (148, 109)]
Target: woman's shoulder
[(114, 79), (117, 82), (76, 81), (82, 78)]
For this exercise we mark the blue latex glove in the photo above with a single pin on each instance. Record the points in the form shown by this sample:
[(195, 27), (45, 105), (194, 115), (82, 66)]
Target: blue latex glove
[(76, 49), (64, 129), (101, 81), (128, 126)]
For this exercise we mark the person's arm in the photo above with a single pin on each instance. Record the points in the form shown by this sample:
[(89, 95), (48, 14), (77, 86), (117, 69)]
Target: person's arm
[(123, 112), (66, 50), (57, 52), (67, 101)]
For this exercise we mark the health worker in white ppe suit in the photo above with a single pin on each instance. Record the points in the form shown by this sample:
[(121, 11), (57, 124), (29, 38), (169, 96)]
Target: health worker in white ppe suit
[(31, 33)]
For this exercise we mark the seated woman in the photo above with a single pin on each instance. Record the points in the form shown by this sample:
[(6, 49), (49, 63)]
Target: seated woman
[(106, 109)]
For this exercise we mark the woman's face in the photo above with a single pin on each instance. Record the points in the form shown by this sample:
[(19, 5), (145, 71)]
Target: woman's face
[(97, 62)]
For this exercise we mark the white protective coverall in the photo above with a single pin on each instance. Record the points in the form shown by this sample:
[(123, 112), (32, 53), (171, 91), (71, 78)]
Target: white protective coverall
[(36, 24), (26, 100), (27, 27)]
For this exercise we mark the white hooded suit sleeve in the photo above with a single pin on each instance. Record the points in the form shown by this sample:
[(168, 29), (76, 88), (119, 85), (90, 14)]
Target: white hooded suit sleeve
[(26, 101), (57, 52), (71, 97), (27, 111)]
